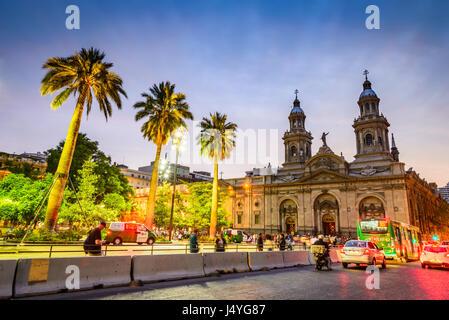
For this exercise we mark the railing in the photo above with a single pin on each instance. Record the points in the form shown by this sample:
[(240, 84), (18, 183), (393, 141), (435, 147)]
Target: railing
[(54, 250), (61, 250)]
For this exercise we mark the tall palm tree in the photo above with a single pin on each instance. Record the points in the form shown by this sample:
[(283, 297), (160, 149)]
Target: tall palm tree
[(86, 76), (217, 139), (165, 111)]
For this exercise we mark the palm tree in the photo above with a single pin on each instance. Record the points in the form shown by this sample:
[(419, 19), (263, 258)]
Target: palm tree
[(86, 76), (217, 141), (165, 112)]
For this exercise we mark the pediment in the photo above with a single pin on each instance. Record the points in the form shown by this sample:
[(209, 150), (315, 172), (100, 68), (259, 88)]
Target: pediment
[(325, 161), (324, 175)]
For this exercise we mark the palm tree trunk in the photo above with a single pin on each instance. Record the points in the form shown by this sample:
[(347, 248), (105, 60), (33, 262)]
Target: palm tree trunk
[(151, 202), (55, 198), (213, 215)]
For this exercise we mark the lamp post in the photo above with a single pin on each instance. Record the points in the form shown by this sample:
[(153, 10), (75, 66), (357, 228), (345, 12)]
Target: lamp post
[(177, 141)]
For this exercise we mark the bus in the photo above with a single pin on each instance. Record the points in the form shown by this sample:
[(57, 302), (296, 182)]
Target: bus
[(398, 240)]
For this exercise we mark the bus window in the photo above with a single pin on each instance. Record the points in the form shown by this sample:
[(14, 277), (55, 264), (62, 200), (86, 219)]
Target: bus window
[(409, 234)]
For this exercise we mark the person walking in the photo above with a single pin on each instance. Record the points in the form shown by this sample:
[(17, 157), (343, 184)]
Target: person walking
[(193, 242), (260, 242), (93, 242), (220, 243), (282, 242)]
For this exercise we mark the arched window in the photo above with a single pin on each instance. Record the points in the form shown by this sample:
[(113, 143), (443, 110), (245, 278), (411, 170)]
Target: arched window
[(379, 140), (294, 123), (367, 108), (373, 107), (369, 139), (293, 151)]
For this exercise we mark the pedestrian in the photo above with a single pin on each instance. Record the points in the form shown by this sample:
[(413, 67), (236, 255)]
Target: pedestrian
[(282, 242), (193, 242), (260, 242), (220, 243), (93, 242)]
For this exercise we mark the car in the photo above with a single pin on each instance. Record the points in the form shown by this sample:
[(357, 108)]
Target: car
[(119, 232), (362, 253), (445, 243), (237, 236), (435, 256)]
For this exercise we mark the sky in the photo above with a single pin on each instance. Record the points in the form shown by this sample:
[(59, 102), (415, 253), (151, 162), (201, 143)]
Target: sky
[(244, 58)]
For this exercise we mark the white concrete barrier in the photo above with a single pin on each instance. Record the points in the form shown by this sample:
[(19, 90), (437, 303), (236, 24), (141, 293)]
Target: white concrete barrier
[(295, 258), (223, 262), (311, 258), (7, 271), (335, 255), (167, 267), (43, 276), (265, 260)]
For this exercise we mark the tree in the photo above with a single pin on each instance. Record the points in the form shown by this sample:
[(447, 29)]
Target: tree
[(20, 197), (217, 141), (165, 111), (89, 212), (198, 206), (110, 179), (86, 76), (84, 149)]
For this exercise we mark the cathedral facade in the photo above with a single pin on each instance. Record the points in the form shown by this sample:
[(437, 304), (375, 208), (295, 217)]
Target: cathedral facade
[(325, 194)]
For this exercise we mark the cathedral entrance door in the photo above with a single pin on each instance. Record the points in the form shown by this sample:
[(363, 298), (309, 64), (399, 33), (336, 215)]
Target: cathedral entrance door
[(328, 224), (290, 224)]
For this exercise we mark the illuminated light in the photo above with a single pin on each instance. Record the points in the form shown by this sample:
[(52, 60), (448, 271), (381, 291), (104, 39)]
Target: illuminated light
[(246, 185), (366, 252), (342, 250), (435, 238)]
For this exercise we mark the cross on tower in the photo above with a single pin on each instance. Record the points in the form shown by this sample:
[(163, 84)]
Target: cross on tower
[(365, 73), (296, 93)]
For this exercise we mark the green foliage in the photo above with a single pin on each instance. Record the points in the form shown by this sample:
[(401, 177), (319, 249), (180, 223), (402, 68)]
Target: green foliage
[(42, 235), (162, 208), (90, 212), (217, 137), (164, 110), (198, 205), (20, 197), (110, 178)]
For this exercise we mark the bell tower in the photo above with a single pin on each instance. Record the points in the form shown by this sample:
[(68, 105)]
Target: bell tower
[(371, 128), (297, 141)]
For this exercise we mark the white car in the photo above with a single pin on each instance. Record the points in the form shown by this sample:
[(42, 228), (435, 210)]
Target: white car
[(362, 252), (435, 255)]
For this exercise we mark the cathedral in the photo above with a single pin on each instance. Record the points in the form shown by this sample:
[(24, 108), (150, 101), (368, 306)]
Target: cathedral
[(325, 194)]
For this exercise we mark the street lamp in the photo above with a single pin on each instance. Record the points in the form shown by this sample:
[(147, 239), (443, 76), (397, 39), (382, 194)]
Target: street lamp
[(177, 142), (164, 169)]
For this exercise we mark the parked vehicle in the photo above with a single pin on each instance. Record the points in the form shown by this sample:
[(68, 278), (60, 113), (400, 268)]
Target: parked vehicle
[(435, 256), (362, 253), (237, 236), (120, 232)]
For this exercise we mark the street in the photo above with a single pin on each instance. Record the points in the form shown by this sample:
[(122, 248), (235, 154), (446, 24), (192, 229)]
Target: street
[(398, 281)]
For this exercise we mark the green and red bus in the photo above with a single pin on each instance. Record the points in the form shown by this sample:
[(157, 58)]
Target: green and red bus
[(398, 240)]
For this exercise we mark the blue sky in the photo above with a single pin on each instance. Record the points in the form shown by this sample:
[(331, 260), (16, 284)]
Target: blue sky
[(244, 58)]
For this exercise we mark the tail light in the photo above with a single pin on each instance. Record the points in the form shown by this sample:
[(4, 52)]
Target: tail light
[(342, 250), (108, 232), (366, 252)]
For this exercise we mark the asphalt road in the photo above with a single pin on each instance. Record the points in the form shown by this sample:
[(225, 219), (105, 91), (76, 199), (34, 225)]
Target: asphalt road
[(398, 281)]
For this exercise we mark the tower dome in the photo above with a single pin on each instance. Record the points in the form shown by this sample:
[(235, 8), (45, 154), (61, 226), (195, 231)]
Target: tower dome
[(367, 91), (296, 107)]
